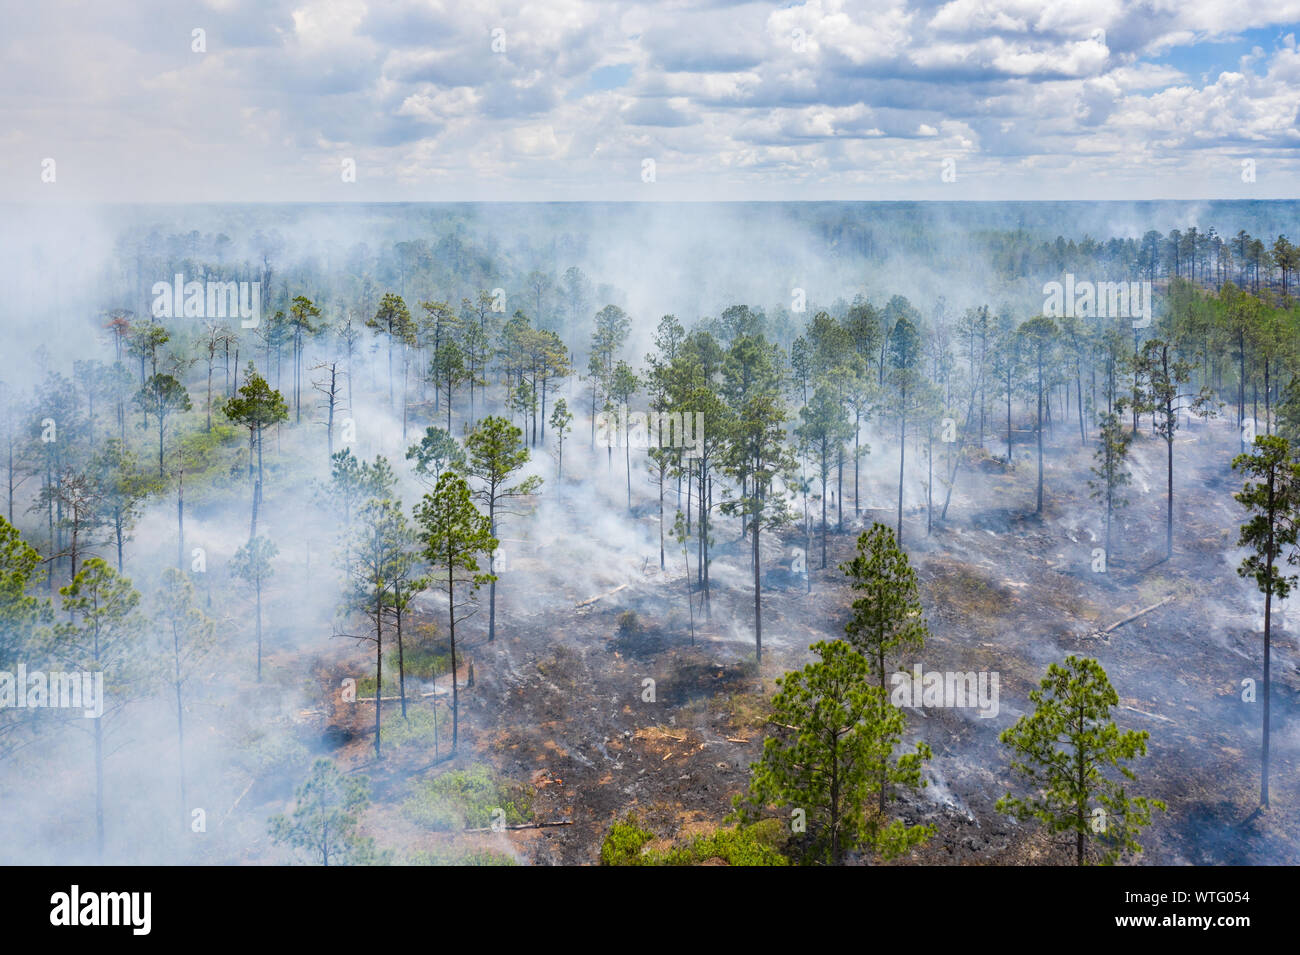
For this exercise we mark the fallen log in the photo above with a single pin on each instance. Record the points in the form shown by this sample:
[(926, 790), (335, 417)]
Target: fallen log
[(1131, 617), (240, 799), (409, 696), (1154, 716), (592, 600), (525, 825)]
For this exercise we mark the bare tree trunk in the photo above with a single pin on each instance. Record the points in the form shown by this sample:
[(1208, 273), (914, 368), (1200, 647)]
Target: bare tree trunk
[(99, 787), (758, 591), (259, 628), (180, 722), (379, 668), (451, 619)]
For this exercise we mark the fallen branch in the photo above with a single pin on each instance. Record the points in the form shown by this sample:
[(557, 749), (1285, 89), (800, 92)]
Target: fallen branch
[(1154, 716), (526, 825), (1129, 619), (397, 699), (240, 799), (592, 600)]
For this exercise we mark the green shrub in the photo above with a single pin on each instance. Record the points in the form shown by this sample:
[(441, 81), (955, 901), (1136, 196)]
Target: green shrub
[(623, 843), (755, 845), (417, 729), (366, 687), (465, 798), (428, 663), (461, 857)]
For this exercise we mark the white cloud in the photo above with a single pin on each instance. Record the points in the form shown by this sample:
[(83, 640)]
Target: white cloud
[(725, 94)]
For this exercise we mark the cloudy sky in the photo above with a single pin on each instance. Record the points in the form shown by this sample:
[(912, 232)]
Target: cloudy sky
[(616, 99)]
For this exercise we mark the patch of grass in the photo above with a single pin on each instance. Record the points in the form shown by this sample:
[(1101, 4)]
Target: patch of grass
[(626, 844), (263, 753), (427, 656), (419, 662), (366, 687), (740, 711), (466, 799), (461, 857), (429, 663), (563, 662), (417, 729), (975, 594), (1158, 587)]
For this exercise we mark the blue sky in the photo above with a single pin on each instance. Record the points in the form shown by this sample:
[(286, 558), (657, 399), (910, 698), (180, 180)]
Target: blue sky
[(613, 99), (1203, 62)]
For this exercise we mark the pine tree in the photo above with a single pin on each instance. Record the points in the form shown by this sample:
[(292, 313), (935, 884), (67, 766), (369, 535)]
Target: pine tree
[(105, 636), (757, 454), (327, 810), (496, 452), (832, 729), (1273, 499), (252, 564), (823, 428), (188, 638), (1161, 379), (352, 483), (623, 384), (437, 452), (887, 617), (455, 535), (257, 407), (1064, 750), (125, 488), (1039, 335), (905, 380), (383, 556), (20, 615), (407, 584), (393, 320), (301, 313), (561, 424), (161, 396), (1111, 471)]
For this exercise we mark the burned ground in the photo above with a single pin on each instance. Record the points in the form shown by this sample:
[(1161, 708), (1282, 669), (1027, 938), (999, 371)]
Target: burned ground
[(560, 703)]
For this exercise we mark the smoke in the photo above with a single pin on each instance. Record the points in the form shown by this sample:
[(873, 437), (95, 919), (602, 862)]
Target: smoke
[(248, 744)]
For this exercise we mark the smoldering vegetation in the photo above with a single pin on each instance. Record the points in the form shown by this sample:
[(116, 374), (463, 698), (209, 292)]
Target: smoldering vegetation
[(855, 364)]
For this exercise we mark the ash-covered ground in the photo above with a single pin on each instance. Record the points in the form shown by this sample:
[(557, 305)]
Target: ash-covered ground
[(558, 701)]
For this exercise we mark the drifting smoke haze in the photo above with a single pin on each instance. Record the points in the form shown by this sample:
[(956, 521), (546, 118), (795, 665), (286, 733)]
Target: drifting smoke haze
[(65, 271)]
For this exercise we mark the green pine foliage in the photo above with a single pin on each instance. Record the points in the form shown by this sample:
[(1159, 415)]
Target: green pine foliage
[(1074, 759)]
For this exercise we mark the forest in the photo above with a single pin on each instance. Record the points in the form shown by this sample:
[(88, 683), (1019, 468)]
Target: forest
[(746, 534)]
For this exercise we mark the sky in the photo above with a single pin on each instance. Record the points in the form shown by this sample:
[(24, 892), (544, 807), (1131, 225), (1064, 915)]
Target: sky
[(617, 100)]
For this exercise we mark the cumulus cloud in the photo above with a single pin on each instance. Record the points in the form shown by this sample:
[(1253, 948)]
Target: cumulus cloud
[(442, 99)]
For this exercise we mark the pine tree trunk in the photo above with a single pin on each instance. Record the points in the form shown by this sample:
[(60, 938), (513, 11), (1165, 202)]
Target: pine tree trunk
[(401, 661), (758, 598), (259, 628), (379, 667), (1040, 433), (451, 618), (99, 787), (180, 722)]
